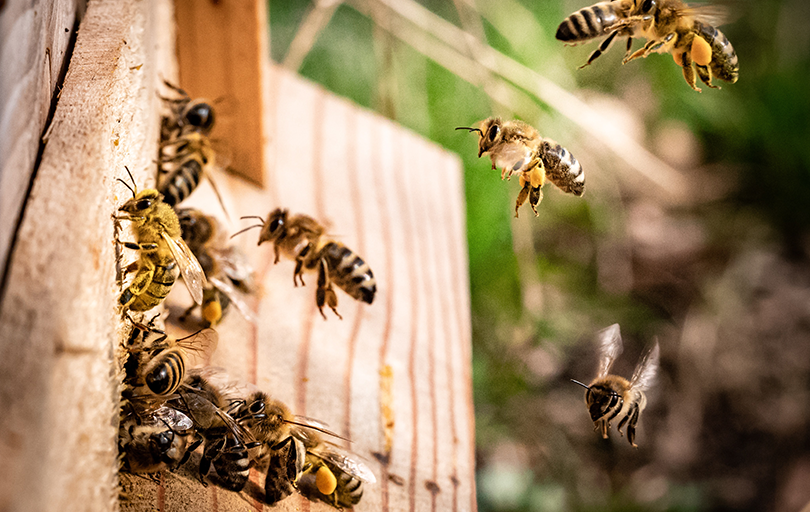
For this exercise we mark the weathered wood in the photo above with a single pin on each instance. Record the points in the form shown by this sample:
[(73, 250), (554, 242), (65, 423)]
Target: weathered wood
[(36, 37), (396, 200), (59, 325), (222, 53)]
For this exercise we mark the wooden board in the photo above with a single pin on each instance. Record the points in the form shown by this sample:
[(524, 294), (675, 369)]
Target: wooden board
[(397, 201), (223, 53), (59, 324)]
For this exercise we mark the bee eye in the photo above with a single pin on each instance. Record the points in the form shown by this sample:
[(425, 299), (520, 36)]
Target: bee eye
[(143, 204), (493, 132), (648, 5), (201, 116), (275, 224), (256, 407), (164, 440)]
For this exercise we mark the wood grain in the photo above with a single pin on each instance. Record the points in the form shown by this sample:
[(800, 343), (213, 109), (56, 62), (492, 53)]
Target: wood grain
[(396, 200)]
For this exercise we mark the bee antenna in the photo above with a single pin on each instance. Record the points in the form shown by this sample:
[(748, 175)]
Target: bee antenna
[(127, 184), (247, 229), (581, 384), (471, 129)]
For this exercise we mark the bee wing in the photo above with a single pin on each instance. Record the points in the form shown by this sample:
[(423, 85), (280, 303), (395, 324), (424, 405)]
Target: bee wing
[(610, 346), (190, 268), (344, 460), (235, 297), (646, 370), (201, 344), (714, 14), (173, 418)]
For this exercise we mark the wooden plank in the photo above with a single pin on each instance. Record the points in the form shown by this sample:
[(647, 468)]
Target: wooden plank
[(397, 200), (58, 317), (35, 38), (222, 53)]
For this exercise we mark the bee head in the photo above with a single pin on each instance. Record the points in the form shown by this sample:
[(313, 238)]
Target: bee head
[(141, 203), (488, 134), (647, 6), (197, 227), (274, 227), (199, 115)]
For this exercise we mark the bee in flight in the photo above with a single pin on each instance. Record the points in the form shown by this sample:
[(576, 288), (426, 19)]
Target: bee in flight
[(185, 115), (303, 239), (610, 396), (516, 147), (230, 276), (159, 363), (687, 32), (162, 252)]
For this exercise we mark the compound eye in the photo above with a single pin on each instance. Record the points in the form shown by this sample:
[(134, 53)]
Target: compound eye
[(275, 224), (647, 6), (164, 440), (256, 407), (201, 116), (143, 204), (493, 132)]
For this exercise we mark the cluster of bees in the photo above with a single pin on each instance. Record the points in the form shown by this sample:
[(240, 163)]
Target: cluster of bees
[(169, 409), (170, 406), (690, 35)]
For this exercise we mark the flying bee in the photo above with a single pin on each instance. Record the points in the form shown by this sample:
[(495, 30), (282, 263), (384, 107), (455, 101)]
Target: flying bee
[(160, 364), (516, 147), (334, 475), (669, 26), (230, 276), (162, 252), (185, 115), (227, 442), (157, 439), (610, 396), (303, 239)]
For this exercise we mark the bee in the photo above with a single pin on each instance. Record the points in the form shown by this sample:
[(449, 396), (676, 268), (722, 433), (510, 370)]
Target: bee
[(334, 475), (610, 396), (160, 364), (230, 276), (157, 439), (227, 442), (303, 239), (185, 115), (516, 147), (162, 252), (670, 26)]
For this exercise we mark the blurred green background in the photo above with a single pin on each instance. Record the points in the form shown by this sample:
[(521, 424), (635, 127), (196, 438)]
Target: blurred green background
[(693, 231)]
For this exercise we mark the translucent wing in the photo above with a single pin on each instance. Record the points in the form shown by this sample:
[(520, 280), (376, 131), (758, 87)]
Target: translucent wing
[(344, 460), (199, 346), (190, 268), (306, 429), (235, 296), (610, 346), (714, 15), (173, 418), (646, 370)]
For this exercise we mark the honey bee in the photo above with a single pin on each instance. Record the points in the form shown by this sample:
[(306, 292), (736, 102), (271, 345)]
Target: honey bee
[(670, 26), (227, 442), (160, 364), (610, 396), (153, 440), (516, 147), (230, 276), (334, 475), (162, 252), (303, 239), (185, 115)]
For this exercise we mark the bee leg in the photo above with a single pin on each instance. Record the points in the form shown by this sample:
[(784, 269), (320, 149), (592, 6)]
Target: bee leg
[(603, 47), (298, 272), (629, 49), (631, 426), (651, 47), (621, 423), (276, 251), (535, 196), (190, 448), (325, 294), (688, 70), (210, 453), (137, 286), (705, 75), (132, 267), (523, 194)]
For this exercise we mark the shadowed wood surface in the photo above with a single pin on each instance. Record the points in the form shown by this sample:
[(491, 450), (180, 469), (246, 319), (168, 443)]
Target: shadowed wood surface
[(397, 201)]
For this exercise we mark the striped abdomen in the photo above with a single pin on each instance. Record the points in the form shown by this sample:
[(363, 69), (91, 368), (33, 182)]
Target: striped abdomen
[(230, 459), (349, 272), (587, 23), (724, 64), (562, 168), (165, 372), (181, 181), (349, 489), (165, 275)]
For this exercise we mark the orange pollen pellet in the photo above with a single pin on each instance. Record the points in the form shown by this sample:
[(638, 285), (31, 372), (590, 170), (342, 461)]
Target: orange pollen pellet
[(701, 51)]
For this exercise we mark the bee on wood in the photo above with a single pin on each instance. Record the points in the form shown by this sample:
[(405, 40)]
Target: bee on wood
[(611, 396), (162, 252), (303, 239), (334, 475), (154, 439), (516, 147), (230, 276), (687, 32)]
